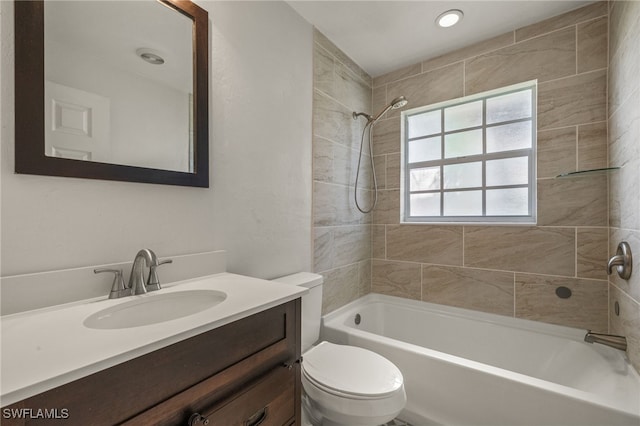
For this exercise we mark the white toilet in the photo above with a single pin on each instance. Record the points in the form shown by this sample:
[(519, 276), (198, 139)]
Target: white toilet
[(343, 385)]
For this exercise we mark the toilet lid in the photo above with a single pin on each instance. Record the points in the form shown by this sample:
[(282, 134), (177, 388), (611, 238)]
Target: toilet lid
[(351, 370)]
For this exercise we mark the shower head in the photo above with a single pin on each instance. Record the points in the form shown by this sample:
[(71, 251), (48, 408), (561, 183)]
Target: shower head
[(398, 102)]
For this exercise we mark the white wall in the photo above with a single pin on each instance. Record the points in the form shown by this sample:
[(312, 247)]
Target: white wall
[(259, 205)]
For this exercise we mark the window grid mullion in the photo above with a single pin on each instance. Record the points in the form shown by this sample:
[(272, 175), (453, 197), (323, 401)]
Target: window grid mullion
[(482, 158), (442, 161)]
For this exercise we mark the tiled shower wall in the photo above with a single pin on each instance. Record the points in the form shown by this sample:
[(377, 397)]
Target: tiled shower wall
[(342, 235), (511, 270), (624, 151)]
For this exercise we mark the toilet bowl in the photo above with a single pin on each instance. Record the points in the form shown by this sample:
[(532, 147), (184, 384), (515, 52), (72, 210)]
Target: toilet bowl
[(347, 385), (342, 385)]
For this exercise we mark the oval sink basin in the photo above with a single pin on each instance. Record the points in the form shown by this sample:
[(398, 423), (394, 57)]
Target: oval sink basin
[(154, 308)]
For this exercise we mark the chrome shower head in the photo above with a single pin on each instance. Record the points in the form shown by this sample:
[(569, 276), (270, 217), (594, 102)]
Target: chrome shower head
[(399, 102)]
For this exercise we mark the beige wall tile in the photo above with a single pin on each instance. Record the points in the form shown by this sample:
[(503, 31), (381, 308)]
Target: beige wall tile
[(427, 88), (397, 74), (340, 287), (632, 285), (379, 99), (333, 205), (323, 76), (586, 308), (573, 100), (624, 203), (592, 146), (556, 152), (388, 208), (393, 171), (544, 58), (322, 159), (396, 279), (425, 243), (378, 242), (627, 323), (592, 245), (624, 128), (624, 16), (333, 121), (380, 162), (524, 249), (487, 291), (593, 44), (351, 90), (623, 71), (468, 52), (322, 249), (351, 244), (364, 278), (345, 166), (323, 41), (577, 201), (570, 18), (386, 136)]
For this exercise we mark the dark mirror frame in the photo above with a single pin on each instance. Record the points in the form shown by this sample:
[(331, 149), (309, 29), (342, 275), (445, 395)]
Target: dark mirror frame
[(29, 106)]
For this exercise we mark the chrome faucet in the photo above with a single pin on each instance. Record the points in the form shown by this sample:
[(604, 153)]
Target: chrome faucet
[(136, 279), (617, 342)]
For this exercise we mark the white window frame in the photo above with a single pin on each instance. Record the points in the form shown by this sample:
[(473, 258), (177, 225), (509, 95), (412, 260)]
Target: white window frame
[(484, 219)]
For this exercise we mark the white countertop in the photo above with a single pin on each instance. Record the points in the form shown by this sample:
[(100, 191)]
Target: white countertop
[(46, 348)]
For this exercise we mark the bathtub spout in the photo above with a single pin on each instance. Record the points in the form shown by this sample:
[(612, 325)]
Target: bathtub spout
[(617, 342)]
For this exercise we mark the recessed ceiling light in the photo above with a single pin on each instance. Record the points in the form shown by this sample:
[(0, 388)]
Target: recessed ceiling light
[(449, 18), (150, 55)]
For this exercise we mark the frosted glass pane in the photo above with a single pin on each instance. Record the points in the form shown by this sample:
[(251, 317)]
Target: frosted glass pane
[(467, 203), (425, 149), (424, 179), (424, 205), (508, 202), (466, 175), (508, 171), (509, 107), (428, 123), (509, 137), (463, 144), (463, 116)]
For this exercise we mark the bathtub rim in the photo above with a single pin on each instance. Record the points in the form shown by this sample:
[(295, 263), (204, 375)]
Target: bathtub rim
[(336, 320)]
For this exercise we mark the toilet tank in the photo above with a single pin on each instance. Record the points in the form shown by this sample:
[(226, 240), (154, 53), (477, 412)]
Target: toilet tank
[(311, 304)]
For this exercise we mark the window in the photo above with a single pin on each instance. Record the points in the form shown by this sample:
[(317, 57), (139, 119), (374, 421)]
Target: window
[(471, 159)]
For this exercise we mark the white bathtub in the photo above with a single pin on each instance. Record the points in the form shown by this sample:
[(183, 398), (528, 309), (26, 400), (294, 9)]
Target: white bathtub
[(465, 367)]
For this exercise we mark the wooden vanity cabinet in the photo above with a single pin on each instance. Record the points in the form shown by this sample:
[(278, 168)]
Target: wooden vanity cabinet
[(244, 373)]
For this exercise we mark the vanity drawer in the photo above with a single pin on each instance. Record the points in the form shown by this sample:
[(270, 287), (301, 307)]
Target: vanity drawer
[(269, 402)]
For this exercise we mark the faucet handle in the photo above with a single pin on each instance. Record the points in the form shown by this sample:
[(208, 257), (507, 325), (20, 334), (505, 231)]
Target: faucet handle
[(118, 288), (153, 283)]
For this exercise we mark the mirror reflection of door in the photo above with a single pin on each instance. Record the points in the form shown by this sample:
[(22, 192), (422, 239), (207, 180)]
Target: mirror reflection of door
[(76, 124), (134, 59)]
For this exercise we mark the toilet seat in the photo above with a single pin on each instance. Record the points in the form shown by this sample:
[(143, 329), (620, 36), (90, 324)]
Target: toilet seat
[(351, 372)]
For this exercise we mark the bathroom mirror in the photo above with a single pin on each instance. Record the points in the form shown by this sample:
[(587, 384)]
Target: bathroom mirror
[(112, 90)]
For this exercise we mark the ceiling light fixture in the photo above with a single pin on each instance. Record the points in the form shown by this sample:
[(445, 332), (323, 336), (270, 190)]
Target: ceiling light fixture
[(150, 55), (449, 18)]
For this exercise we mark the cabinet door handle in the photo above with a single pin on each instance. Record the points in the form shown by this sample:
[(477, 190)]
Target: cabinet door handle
[(257, 418)]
